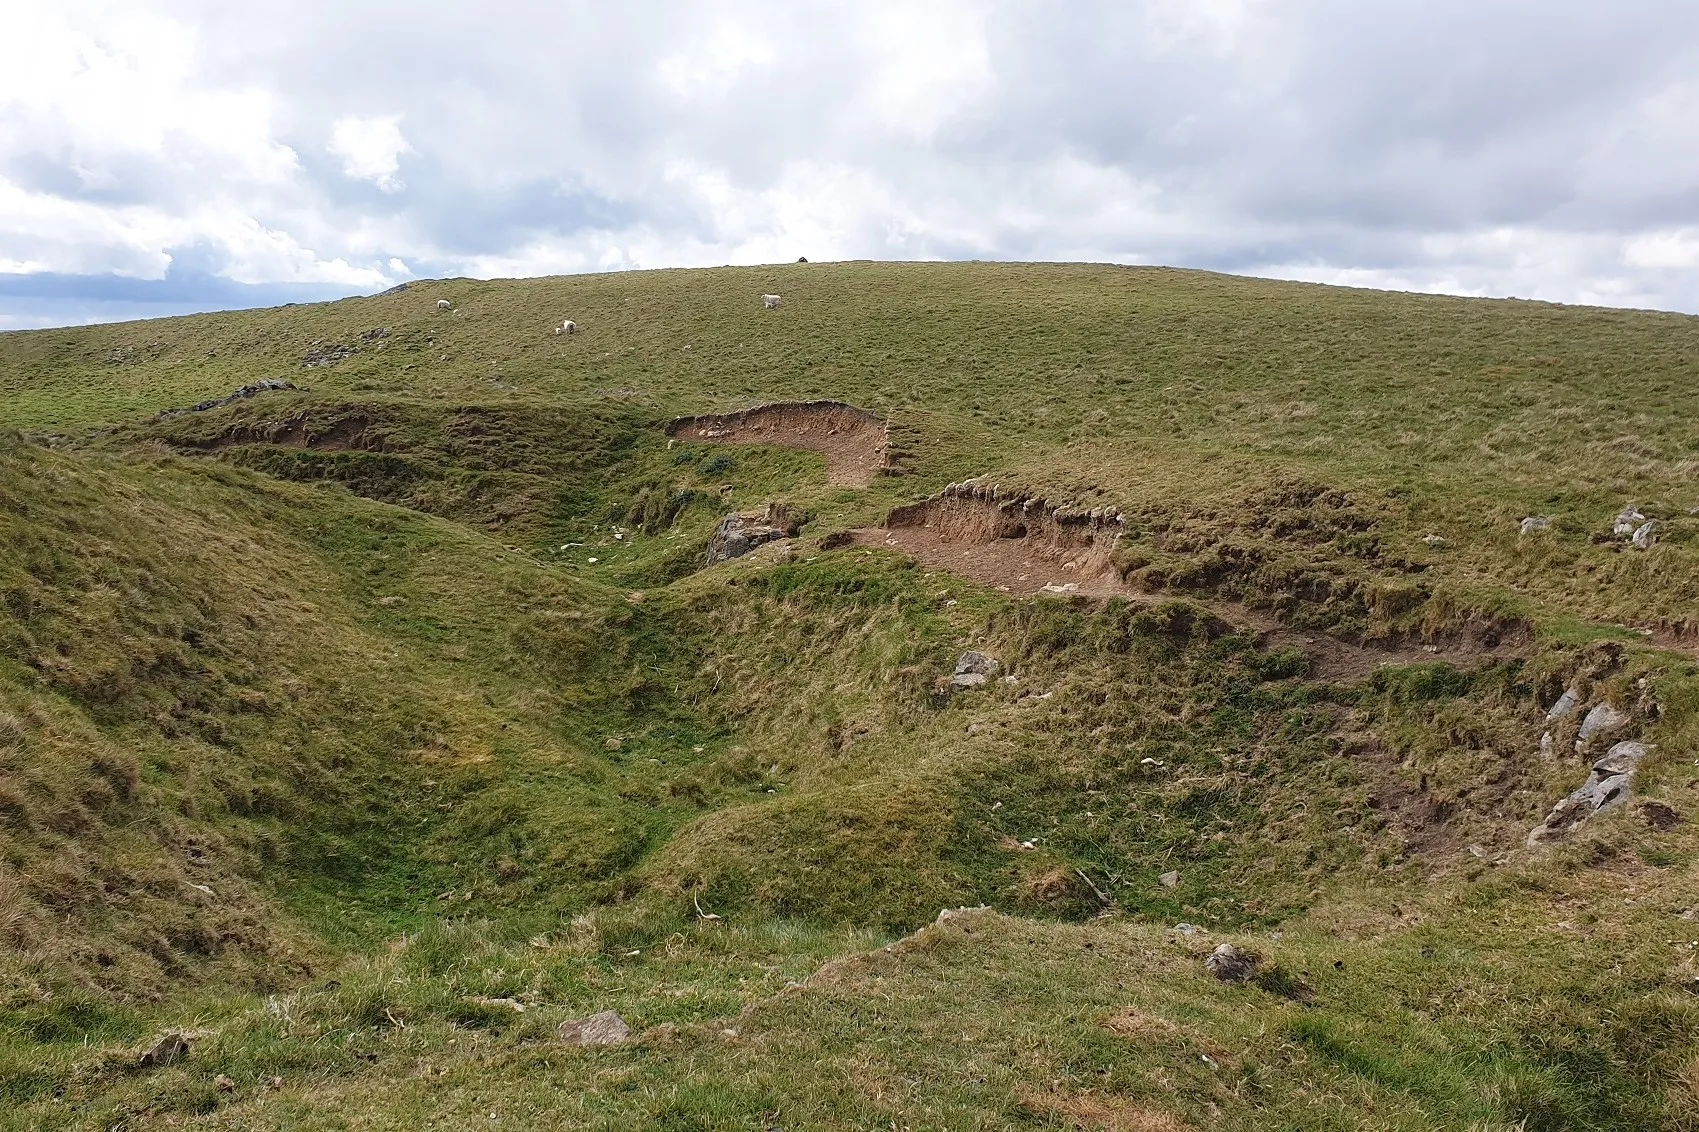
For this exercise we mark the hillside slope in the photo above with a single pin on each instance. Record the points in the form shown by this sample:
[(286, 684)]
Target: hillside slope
[(339, 722)]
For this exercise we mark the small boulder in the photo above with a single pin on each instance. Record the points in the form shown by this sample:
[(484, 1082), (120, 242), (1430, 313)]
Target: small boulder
[(1602, 720), (1231, 964), (1566, 703), (168, 1050), (973, 669), (1646, 535), (1535, 523), (1608, 785), (1169, 879), (1626, 520), (737, 535), (604, 1029)]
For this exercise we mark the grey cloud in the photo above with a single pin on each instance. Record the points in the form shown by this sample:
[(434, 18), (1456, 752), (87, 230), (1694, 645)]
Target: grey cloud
[(1514, 147)]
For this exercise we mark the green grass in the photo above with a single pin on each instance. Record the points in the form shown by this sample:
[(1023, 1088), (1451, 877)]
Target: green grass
[(305, 748)]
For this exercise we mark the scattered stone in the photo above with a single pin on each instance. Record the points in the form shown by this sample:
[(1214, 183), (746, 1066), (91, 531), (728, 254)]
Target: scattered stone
[(604, 1029), (1433, 540), (1646, 536), (512, 1004), (1606, 787), (1602, 720), (737, 535), (264, 385), (1658, 815), (167, 1050), (1546, 744), (1232, 965), (1187, 929), (1566, 703), (375, 334), (945, 915), (327, 355), (1625, 521), (1169, 879), (224, 1084), (973, 669), (1535, 523), (1063, 588)]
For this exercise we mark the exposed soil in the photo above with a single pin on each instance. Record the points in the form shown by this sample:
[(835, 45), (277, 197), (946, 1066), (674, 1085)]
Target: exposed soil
[(852, 440), (342, 434), (1023, 546)]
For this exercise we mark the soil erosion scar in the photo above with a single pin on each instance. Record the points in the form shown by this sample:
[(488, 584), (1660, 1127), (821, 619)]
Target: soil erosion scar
[(852, 440), (1023, 546)]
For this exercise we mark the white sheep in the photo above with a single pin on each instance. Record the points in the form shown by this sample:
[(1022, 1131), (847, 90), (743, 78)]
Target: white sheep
[(771, 302), (567, 327), (444, 305)]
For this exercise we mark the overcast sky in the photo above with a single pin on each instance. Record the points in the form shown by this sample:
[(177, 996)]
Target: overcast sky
[(166, 155)]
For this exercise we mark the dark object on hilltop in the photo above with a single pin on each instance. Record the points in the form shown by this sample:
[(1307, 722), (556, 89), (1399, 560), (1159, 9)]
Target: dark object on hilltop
[(802, 259), (395, 290), (167, 1050), (737, 535), (327, 355), (264, 385), (1231, 965)]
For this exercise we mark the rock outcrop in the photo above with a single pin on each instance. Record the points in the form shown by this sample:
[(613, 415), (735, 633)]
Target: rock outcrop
[(1608, 785)]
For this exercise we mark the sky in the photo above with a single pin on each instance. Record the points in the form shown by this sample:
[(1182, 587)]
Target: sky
[(162, 156)]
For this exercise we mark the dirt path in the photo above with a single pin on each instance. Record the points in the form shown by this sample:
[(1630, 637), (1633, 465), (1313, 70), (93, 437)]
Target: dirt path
[(852, 440), (1019, 567)]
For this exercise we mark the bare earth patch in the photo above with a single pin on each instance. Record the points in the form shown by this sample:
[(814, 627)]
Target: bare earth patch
[(852, 440), (1024, 547)]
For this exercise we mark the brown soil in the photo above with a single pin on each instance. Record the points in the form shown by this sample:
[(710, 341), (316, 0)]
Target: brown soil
[(852, 440), (1024, 547), (340, 435)]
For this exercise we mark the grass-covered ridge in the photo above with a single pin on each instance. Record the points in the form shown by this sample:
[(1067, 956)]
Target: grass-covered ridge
[(336, 721)]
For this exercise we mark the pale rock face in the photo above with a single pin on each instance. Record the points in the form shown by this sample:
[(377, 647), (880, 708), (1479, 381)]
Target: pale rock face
[(973, 669), (1602, 720), (1566, 703), (604, 1029), (1609, 785)]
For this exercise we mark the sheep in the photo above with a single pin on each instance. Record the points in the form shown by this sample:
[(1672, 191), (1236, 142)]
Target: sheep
[(771, 302), (567, 327), (444, 305)]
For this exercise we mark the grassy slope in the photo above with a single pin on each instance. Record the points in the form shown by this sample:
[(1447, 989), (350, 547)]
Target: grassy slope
[(434, 714)]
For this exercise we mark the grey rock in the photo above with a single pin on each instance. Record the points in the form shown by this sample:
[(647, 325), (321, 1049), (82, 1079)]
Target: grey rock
[(1231, 964), (1169, 879), (1535, 523), (167, 1050), (737, 535), (1566, 703), (1646, 536), (1602, 720), (327, 355), (1609, 785), (264, 385), (973, 669), (604, 1029), (1626, 520)]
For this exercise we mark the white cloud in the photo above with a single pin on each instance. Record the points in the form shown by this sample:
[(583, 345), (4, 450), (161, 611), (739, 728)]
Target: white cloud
[(370, 149), (1442, 146)]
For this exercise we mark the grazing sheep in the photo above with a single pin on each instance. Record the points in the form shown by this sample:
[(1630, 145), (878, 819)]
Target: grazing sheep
[(444, 305), (771, 302), (567, 327)]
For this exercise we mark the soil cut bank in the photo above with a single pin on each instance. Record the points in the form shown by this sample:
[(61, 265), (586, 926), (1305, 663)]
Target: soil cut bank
[(852, 440)]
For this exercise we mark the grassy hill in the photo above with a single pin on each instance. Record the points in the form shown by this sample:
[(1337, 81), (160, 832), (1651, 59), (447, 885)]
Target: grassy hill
[(339, 722)]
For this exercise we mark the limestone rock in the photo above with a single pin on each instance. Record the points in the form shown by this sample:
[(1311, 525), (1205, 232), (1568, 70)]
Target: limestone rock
[(737, 535), (1607, 786), (1231, 964), (1169, 879), (1602, 720), (973, 669), (604, 1029), (1566, 703), (1535, 523), (1626, 520), (1646, 535), (168, 1050)]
